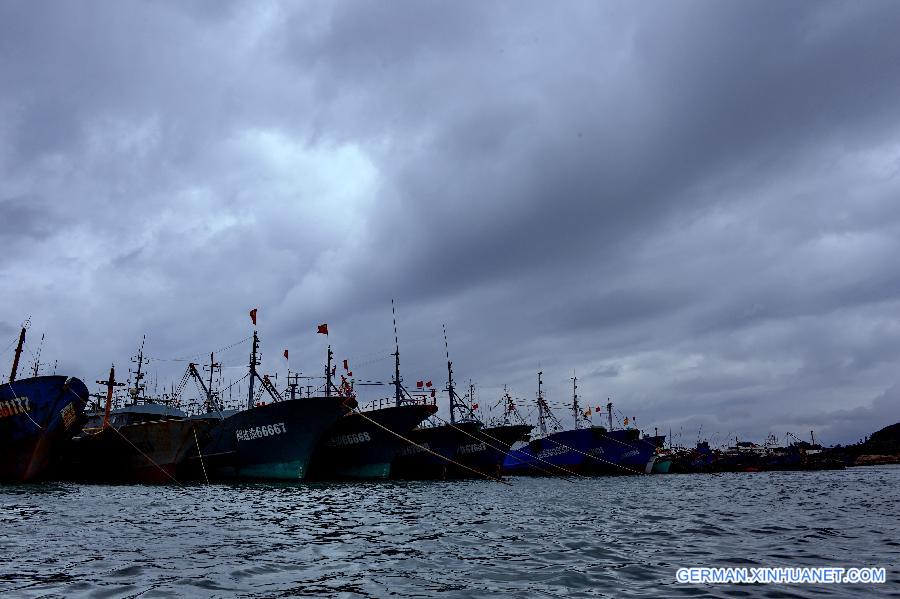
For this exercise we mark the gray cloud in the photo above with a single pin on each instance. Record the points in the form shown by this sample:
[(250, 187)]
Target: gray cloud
[(692, 207)]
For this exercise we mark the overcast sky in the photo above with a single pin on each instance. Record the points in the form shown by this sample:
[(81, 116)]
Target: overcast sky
[(693, 206)]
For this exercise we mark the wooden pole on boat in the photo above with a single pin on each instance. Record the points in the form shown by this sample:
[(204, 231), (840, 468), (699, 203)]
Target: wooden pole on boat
[(15, 366)]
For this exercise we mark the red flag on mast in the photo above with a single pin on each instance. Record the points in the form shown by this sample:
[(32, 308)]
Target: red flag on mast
[(420, 384), (253, 316), (428, 384), (346, 366), (323, 329), (285, 354)]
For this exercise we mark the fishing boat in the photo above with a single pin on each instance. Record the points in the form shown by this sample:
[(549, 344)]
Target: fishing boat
[(431, 447), (143, 441), (38, 415), (662, 461), (461, 448), (267, 440), (363, 444), (490, 445), (584, 449)]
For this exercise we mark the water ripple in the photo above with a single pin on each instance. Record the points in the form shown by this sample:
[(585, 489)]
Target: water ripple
[(608, 537)]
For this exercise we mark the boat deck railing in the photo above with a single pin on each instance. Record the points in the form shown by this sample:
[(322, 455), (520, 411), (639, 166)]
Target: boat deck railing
[(389, 402)]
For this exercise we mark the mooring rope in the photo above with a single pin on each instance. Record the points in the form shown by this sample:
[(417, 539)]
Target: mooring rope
[(428, 450), (507, 453), (593, 456), (13, 391), (199, 453), (149, 459)]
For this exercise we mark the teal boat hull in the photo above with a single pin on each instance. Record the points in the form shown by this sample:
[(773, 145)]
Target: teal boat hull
[(662, 466), (269, 442), (363, 445)]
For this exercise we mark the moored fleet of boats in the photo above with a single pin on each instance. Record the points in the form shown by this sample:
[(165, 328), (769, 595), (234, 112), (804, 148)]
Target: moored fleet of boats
[(52, 427)]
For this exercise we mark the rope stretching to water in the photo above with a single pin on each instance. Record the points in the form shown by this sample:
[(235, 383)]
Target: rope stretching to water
[(434, 453), (507, 453)]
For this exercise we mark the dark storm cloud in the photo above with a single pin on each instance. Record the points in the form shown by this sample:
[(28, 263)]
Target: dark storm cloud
[(692, 206)]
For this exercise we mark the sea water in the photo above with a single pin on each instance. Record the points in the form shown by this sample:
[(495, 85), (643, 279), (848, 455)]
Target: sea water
[(541, 537)]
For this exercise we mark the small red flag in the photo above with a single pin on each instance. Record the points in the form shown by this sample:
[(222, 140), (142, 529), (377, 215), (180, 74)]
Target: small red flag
[(323, 329), (253, 316), (598, 409), (428, 384), (474, 406), (349, 373), (346, 366), (420, 384), (285, 354)]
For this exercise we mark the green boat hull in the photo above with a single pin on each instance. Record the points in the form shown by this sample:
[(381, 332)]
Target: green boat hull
[(662, 466)]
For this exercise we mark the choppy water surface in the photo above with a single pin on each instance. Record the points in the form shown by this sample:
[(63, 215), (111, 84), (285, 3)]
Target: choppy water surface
[(613, 537)]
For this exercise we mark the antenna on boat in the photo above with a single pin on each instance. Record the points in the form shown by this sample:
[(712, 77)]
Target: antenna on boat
[(37, 359), (398, 395), (15, 365)]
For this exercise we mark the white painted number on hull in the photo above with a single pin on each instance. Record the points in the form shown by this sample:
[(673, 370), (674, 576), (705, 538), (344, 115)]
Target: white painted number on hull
[(259, 432)]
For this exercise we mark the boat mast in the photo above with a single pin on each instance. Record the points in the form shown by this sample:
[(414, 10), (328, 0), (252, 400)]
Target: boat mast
[(139, 374), (213, 365), (509, 408), (110, 385), (454, 400), (398, 396), (328, 372), (542, 418), (293, 384), (15, 365), (609, 412), (576, 409), (254, 362)]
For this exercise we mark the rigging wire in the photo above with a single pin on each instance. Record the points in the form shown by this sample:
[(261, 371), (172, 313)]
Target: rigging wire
[(191, 358)]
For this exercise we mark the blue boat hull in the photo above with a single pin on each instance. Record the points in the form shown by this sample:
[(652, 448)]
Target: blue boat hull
[(586, 451), (486, 453), (437, 447), (37, 416)]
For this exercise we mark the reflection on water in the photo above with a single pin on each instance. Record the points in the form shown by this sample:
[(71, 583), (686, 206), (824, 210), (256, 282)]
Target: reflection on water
[(613, 537)]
